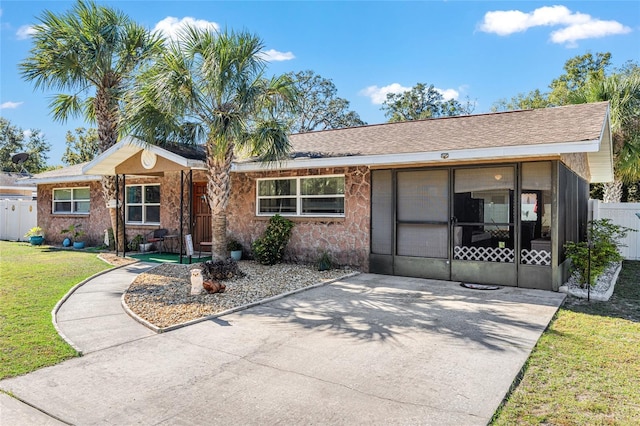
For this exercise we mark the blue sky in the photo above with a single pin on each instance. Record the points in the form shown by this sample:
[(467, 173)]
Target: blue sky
[(477, 49)]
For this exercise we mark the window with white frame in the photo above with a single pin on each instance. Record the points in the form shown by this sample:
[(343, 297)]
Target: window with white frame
[(143, 204), (71, 200), (301, 196)]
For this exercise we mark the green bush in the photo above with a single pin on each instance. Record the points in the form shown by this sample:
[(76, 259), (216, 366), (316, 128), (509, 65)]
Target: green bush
[(269, 249), (605, 239)]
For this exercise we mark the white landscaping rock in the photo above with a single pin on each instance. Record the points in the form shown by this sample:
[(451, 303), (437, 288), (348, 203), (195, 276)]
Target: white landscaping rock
[(603, 289)]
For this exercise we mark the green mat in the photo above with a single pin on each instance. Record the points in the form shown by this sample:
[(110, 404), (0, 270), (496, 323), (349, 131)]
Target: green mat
[(167, 258)]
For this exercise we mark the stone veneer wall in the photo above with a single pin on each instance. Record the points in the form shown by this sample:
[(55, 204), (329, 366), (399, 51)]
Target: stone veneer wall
[(346, 239), (93, 224), (98, 219)]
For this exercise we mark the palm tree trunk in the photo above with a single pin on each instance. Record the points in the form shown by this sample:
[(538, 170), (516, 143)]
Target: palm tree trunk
[(612, 192), (218, 192), (109, 193)]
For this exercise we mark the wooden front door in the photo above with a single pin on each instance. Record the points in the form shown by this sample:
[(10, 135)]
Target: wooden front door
[(201, 214)]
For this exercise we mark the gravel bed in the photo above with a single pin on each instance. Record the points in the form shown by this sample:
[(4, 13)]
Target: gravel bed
[(162, 296)]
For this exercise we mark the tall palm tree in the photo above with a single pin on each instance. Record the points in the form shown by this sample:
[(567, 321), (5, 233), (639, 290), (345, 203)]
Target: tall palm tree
[(623, 93), (91, 52), (213, 85)]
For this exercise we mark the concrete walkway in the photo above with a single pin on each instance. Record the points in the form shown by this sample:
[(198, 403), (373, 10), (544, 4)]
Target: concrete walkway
[(92, 318), (369, 349)]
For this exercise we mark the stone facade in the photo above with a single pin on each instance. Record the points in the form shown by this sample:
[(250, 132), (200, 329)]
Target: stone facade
[(345, 239), (98, 220)]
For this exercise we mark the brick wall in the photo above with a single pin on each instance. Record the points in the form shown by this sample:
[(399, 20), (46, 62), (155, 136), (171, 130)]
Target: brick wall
[(346, 239)]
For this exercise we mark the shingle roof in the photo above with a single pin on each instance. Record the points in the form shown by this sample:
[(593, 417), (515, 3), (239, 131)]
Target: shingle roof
[(572, 123)]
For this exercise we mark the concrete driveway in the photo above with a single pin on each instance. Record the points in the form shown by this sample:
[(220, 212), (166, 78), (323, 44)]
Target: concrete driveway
[(370, 349)]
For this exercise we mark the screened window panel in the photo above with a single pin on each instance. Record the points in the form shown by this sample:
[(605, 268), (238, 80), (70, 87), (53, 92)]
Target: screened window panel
[(277, 205), (422, 240), (536, 176), (81, 194), (484, 179), (81, 206), (152, 194), (381, 212), (324, 205), (62, 207), (134, 195), (322, 186), (134, 213), (423, 196), (277, 187), (153, 214), (62, 194)]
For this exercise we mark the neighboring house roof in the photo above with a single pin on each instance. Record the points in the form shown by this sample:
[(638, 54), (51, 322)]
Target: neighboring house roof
[(12, 185), (513, 134)]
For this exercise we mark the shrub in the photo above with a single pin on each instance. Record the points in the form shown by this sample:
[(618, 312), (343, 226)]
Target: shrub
[(216, 270), (234, 245), (134, 244), (269, 249), (325, 263), (605, 239)]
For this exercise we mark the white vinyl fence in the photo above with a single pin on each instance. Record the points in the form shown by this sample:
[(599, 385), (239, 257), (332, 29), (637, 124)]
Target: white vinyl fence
[(623, 214), (16, 218)]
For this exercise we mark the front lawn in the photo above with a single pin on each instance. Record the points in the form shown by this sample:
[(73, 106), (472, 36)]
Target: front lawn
[(586, 367), (32, 280)]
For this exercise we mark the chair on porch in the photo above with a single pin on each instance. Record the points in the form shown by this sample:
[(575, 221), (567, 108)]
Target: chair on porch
[(157, 237)]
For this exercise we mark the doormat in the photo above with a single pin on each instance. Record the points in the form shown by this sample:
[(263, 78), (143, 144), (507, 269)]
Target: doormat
[(480, 286)]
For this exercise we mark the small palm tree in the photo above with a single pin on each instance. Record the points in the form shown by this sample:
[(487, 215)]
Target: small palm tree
[(91, 52), (210, 87), (623, 93)]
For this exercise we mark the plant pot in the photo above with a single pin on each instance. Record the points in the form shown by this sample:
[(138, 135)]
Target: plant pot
[(36, 240), (78, 244), (66, 242), (236, 255), (145, 247)]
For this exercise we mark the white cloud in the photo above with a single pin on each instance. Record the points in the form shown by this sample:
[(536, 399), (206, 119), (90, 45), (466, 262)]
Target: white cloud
[(273, 55), (593, 29), (27, 133), (10, 105), (25, 31), (379, 94), (577, 26), (170, 26)]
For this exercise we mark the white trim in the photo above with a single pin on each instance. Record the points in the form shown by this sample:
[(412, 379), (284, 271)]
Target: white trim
[(106, 163), (493, 153), (63, 179), (299, 197)]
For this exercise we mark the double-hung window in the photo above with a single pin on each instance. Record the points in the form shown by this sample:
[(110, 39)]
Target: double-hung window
[(71, 200), (301, 196), (143, 204)]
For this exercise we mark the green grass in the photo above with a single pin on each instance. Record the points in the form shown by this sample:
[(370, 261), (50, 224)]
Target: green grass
[(32, 280), (586, 367)]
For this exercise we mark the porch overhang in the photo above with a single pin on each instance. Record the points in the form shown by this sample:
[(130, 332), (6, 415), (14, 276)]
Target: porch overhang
[(133, 156)]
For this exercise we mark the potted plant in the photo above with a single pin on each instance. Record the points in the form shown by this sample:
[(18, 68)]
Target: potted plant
[(35, 235), (73, 232), (235, 249), (137, 243)]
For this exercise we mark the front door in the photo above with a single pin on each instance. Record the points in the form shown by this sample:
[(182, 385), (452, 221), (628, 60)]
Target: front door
[(483, 225), (201, 214)]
